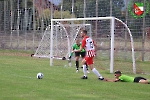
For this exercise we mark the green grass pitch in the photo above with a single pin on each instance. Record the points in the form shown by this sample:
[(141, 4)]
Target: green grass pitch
[(18, 82)]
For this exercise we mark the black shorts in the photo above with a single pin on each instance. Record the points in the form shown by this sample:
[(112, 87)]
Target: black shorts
[(137, 79), (77, 54)]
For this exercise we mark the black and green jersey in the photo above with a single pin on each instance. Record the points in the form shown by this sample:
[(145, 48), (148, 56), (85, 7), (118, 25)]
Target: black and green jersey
[(77, 47)]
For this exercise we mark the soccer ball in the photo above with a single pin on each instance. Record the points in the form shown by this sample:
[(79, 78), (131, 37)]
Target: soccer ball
[(40, 75)]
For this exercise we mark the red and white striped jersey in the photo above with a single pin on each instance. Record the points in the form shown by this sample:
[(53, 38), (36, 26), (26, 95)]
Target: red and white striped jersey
[(88, 44)]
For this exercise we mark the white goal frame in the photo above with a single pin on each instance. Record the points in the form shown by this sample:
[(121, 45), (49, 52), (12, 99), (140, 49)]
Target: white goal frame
[(112, 21)]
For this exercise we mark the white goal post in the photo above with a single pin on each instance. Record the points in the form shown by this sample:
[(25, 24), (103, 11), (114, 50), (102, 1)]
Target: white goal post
[(112, 35)]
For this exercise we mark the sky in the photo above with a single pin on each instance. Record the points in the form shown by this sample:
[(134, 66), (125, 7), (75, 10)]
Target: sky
[(126, 2), (56, 2)]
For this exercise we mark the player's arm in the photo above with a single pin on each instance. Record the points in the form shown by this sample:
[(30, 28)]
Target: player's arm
[(108, 80), (73, 47), (95, 45), (116, 80), (79, 49), (71, 54)]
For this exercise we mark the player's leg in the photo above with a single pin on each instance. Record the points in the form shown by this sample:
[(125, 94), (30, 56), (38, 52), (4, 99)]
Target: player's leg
[(89, 61), (84, 69), (77, 54), (144, 81), (83, 55), (141, 80), (87, 67)]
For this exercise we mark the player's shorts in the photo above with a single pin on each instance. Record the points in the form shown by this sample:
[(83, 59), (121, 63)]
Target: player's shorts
[(89, 60), (77, 54), (137, 79)]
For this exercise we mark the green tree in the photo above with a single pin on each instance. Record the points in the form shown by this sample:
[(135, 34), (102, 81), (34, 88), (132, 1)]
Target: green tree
[(103, 7)]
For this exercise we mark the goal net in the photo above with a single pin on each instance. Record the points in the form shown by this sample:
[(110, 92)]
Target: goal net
[(63, 38), (114, 40)]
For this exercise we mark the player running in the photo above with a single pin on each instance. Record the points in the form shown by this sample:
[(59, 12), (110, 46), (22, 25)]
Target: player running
[(89, 45)]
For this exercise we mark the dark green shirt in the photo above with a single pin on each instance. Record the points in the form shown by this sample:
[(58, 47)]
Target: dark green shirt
[(76, 47)]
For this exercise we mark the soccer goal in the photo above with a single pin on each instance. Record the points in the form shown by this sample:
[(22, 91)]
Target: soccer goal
[(113, 37)]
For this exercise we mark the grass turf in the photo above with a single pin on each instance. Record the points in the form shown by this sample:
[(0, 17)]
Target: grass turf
[(18, 82)]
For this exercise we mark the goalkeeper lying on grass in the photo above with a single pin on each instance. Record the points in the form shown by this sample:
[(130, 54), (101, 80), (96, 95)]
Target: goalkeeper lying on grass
[(124, 78)]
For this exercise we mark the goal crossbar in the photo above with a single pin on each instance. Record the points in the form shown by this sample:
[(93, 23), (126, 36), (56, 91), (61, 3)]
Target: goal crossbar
[(75, 19)]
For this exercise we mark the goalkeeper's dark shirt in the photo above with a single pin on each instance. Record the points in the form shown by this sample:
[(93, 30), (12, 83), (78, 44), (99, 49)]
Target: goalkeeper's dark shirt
[(76, 47)]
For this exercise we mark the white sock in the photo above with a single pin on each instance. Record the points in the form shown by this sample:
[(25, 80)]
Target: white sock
[(84, 70), (96, 73)]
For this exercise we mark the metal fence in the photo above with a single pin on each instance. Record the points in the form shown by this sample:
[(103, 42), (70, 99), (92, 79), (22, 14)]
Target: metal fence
[(22, 22)]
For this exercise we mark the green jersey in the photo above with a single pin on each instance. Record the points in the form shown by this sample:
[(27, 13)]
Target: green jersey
[(77, 47), (125, 78)]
